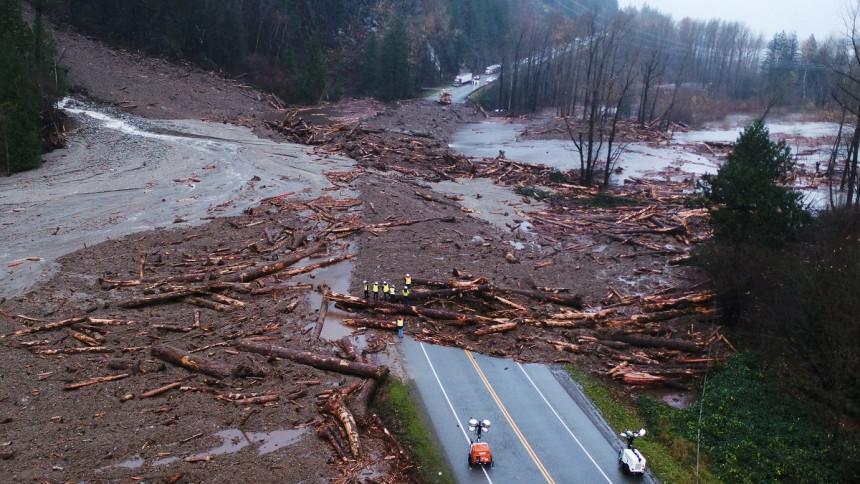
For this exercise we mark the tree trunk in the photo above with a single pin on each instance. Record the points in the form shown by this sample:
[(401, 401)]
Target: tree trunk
[(317, 361), (653, 342), (280, 265), (391, 308), (192, 362)]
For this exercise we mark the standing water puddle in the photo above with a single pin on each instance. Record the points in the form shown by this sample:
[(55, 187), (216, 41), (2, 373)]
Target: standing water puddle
[(232, 441)]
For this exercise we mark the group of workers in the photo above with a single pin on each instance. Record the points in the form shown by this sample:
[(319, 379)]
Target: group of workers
[(389, 293)]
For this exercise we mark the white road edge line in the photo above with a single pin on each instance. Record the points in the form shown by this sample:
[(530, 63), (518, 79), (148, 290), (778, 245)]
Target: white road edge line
[(451, 406), (564, 424)]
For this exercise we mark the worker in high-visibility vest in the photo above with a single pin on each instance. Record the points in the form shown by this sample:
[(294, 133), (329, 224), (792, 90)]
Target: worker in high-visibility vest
[(384, 290), (399, 323), (375, 291), (392, 293), (366, 290), (407, 280), (405, 292)]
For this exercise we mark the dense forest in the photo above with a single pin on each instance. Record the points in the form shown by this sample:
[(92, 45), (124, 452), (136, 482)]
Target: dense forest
[(30, 82), (588, 60)]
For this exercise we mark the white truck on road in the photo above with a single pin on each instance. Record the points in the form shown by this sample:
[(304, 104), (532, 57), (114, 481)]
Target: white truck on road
[(462, 79)]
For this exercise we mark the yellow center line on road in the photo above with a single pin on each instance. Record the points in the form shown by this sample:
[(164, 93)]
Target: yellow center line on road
[(510, 420)]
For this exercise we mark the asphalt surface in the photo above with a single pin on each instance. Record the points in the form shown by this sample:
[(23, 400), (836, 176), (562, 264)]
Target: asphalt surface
[(460, 93), (539, 432)]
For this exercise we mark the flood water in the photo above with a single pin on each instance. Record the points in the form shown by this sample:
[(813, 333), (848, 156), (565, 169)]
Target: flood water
[(122, 174), (674, 160)]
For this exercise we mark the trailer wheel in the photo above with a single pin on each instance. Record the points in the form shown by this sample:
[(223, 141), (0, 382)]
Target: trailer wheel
[(471, 463)]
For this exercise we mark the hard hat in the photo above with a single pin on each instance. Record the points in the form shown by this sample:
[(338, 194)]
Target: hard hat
[(375, 282), (407, 275), (365, 281)]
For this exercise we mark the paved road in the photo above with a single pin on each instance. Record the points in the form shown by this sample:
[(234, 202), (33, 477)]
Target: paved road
[(538, 433), (459, 94)]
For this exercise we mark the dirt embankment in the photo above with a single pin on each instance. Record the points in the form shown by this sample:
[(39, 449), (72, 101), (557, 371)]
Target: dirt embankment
[(202, 428)]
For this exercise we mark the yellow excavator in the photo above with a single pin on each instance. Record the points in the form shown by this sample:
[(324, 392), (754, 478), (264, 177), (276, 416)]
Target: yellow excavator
[(445, 97)]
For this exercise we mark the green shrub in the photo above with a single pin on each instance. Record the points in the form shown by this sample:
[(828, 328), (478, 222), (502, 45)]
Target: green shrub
[(401, 412), (753, 432), (530, 191)]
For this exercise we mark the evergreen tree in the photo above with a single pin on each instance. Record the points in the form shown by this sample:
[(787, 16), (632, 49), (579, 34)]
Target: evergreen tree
[(371, 68), (312, 82), (749, 203), (781, 62), (20, 148), (396, 81)]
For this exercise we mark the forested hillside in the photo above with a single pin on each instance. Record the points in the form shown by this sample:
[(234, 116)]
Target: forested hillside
[(30, 81)]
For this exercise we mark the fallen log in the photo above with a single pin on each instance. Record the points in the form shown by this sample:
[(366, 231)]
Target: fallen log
[(94, 381), (321, 319), (196, 277), (45, 327), (191, 362), (392, 438), (324, 432), (160, 390), (567, 315), (280, 265), (280, 287), (205, 303), (396, 223), (269, 397), (362, 400), (158, 298), (662, 303), (392, 308), (349, 351), (564, 346), (573, 301), (659, 316), (317, 361), (370, 323), (646, 341), (76, 351), (336, 407), (327, 262), (497, 328)]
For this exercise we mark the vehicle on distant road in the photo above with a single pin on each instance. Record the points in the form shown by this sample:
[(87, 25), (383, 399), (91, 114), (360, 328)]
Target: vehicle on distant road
[(462, 79), (493, 69)]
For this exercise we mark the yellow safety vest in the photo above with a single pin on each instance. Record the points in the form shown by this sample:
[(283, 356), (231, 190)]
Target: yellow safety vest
[(384, 288), (392, 290), (408, 280), (375, 288), (399, 322), (405, 291), (366, 287)]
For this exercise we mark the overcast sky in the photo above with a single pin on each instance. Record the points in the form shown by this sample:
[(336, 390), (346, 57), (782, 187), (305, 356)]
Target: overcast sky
[(804, 17)]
